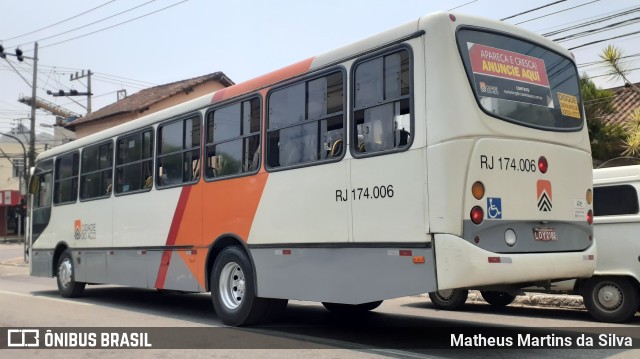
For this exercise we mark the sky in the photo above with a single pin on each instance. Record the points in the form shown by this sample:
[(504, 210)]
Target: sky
[(135, 44)]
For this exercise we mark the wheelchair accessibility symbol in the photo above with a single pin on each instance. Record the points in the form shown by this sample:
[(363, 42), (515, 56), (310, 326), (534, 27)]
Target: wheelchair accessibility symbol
[(494, 208)]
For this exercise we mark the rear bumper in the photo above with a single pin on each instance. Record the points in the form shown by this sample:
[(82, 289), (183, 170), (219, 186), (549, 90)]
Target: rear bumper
[(460, 264)]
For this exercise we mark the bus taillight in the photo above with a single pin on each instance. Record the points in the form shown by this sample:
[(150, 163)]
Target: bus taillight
[(477, 215), (543, 165), (477, 190), (590, 217)]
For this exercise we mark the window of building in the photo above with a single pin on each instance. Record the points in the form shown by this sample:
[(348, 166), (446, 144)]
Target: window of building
[(18, 167), (96, 171), (382, 104), (178, 152), (134, 162), (65, 188), (306, 122), (615, 200), (233, 139)]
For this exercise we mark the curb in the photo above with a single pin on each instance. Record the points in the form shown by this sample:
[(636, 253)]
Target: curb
[(530, 299), (543, 300), (15, 262)]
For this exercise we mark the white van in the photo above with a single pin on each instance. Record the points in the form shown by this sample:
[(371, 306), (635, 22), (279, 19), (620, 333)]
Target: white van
[(613, 293)]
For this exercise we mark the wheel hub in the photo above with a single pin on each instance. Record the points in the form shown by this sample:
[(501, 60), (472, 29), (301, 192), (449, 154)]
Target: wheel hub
[(232, 285), (609, 297), (64, 273)]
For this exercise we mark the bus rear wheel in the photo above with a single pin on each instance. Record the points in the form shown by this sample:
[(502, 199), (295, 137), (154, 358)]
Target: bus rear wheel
[(497, 299), (449, 299), (340, 308), (66, 277), (233, 293), (611, 299)]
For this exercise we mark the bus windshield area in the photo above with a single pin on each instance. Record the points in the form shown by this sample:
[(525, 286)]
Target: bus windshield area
[(521, 82)]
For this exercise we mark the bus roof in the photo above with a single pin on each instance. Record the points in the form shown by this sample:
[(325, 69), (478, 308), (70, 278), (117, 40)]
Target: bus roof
[(616, 174), (414, 28)]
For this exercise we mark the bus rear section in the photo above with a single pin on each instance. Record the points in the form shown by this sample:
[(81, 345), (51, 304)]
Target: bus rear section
[(519, 158)]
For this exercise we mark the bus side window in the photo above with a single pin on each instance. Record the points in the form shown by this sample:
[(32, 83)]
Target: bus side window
[(178, 153), (65, 188), (306, 121), (134, 159), (382, 108), (233, 139)]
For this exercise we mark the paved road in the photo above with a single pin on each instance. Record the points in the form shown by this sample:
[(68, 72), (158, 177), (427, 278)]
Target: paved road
[(391, 331)]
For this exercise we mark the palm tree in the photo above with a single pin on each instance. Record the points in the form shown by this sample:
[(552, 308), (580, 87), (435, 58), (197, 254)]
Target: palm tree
[(632, 143), (617, 70)]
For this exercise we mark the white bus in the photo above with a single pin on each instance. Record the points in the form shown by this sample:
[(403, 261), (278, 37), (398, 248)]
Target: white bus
[(449, 152)]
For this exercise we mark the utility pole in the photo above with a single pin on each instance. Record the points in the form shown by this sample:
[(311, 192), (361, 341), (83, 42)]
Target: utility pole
[(32, 130), (88, 93)]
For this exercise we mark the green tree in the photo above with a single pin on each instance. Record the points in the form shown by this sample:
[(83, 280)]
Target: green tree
[(632, 143), (605, 139), (612, 56)]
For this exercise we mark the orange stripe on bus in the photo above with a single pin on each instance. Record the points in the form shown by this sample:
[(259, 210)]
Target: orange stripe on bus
[(214, 209), (171, 238), (262, 81)]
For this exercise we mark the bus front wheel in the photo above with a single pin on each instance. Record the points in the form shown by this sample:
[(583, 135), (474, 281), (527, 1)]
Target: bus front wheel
[(66, 277), (449, 299), (611, 299), (233, 289)]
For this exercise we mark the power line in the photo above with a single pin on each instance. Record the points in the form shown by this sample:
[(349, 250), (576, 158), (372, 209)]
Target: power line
[(609, 16), (602, 61), (95, 22), (110, 27), (603, 40), (19, 74), (59, 22), (600, 29), (532, 10), (557, 12), (465, 4)]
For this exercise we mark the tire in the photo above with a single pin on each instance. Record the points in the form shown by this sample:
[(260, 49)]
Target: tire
[(611, 299), (66, 277), (450, 299), (233, 289), (497, 299), (339, 308)]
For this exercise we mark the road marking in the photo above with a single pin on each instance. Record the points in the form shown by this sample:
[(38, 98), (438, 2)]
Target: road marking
[(48, 298)]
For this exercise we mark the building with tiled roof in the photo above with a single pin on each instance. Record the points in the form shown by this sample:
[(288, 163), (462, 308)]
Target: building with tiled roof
[(625, 100), (148, 101)]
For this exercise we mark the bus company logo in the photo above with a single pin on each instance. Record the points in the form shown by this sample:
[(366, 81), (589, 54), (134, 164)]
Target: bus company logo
[(23, 338), (77, 229), (488, 88), (544, 196)]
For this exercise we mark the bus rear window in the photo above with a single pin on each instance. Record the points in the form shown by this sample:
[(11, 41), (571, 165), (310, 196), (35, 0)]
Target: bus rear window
[(521, 82)]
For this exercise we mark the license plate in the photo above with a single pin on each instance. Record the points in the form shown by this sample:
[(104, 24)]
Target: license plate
[(545, 234)]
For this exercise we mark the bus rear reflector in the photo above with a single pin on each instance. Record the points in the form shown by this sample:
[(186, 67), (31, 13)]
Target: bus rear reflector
[(590, 217), (499, 259), (477, 215), (543, 165)]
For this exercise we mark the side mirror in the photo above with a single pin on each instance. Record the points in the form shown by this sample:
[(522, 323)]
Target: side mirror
[(34, 185)]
